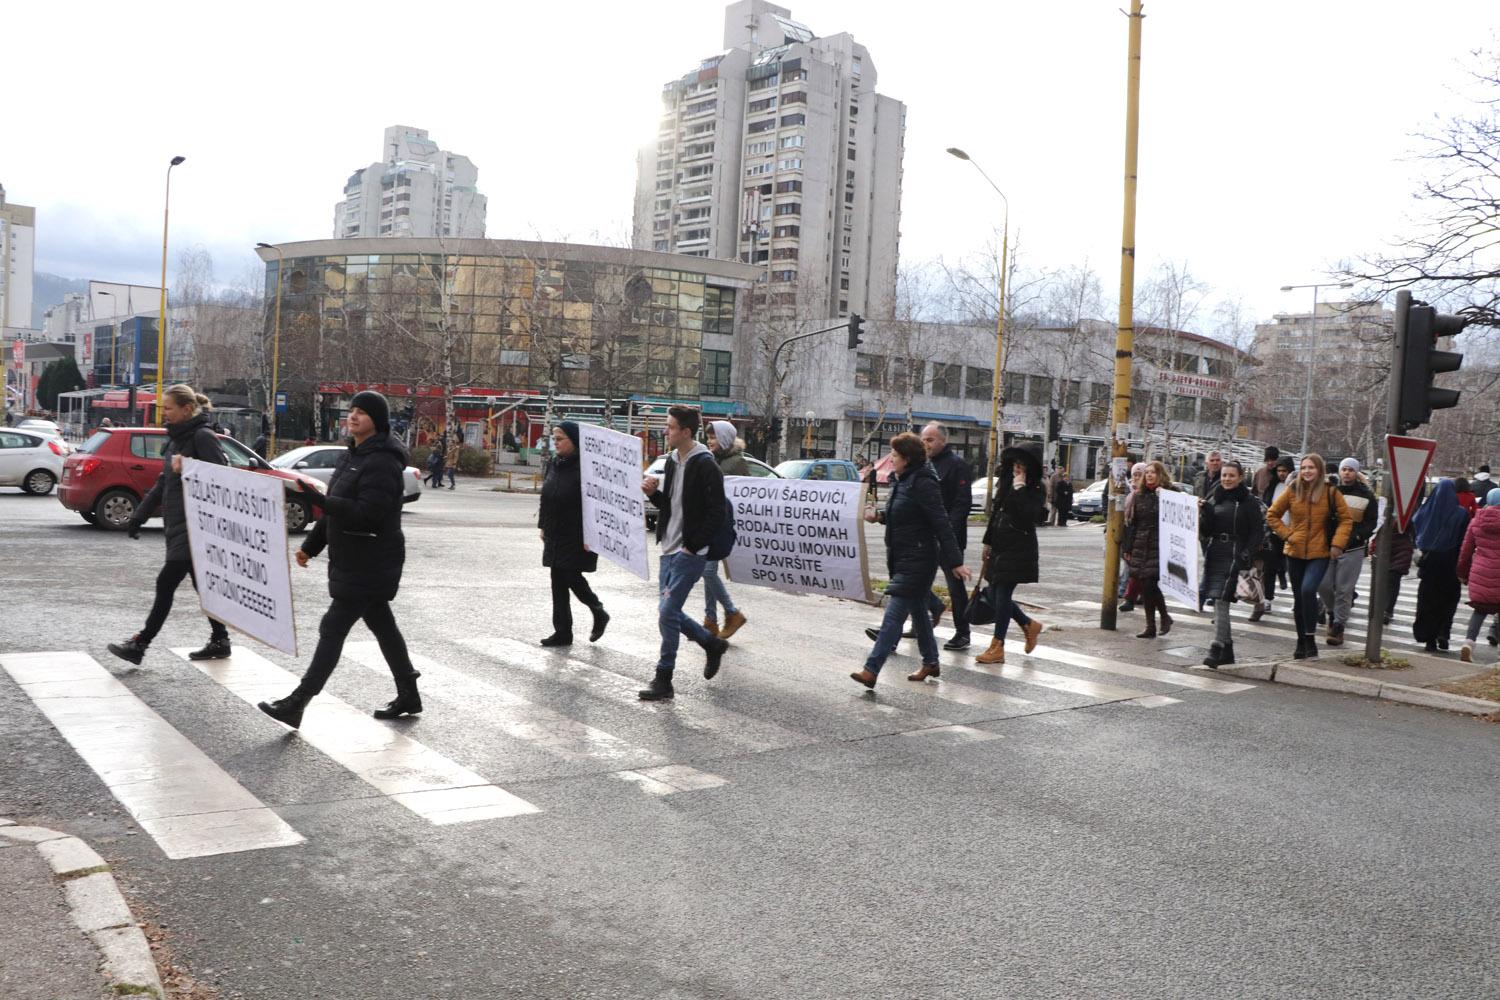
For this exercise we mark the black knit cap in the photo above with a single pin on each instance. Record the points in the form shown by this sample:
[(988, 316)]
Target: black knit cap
[(570, 428), (375, 406)]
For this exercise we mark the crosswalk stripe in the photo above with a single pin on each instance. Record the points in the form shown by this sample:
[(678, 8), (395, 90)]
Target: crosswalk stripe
[(1052, 654), (190, 806), (541, 727), (1056, 682), (1283, 629), (426, 782)]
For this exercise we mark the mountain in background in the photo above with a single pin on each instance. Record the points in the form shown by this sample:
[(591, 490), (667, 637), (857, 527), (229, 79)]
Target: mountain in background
[(47, 290)]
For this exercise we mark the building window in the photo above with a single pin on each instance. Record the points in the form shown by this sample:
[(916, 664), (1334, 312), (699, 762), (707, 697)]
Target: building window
[(1214, 412), (793, 141), (795, 97), (797, 119), (788, 187), (715, 373), (869, 371), (1072, 394), (1014, 387), (1040, 389), (785, 231), (1184, 408), (783, 275), (851, 152), (784, 253), (763, 104), (980, 382), (789, 208), (718, 310), (1101, 394), (947, 380)]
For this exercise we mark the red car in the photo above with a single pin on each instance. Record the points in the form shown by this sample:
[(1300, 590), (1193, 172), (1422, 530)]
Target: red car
[(105, 479)]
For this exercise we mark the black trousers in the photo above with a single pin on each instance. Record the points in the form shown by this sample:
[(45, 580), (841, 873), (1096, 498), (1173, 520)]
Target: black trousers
[(334, 629), (172, 573), (564, 581)]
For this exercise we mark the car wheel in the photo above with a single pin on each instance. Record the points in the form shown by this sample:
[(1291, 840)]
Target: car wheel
[(88, 516), (39, 482), (297, 516), (114, 509)]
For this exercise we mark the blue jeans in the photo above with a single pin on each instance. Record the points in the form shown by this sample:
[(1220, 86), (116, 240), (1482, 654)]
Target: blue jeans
[(1006, 609), (1306, 576), (679, 573), (715, 593), (897, 610)]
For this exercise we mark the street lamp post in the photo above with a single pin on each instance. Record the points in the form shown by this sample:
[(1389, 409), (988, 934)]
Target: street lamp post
[(161, 323), (994, 456), (1312, 327), (275, 348)]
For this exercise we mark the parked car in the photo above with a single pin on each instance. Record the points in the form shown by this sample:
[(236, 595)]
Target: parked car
[(105, 479), (977, 492), (658, 469), (1089, 502), (832, 469), (32, 461), (319, 460), (47, 428)]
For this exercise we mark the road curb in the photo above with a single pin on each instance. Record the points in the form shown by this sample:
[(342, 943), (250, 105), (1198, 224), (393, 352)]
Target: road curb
[(97, 908), (1299, 675)]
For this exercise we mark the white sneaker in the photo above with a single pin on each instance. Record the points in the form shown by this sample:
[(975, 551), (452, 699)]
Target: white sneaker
[(1467, 653)]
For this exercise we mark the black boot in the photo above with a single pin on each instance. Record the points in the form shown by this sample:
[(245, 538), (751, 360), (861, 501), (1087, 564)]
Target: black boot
[(287, 711), (716, 649), (601, 620), (1301, 653), (407, 701), (1215, 655), (660, 689), (558, 639), (217, 649), (1312, 648), (131, 650), (1226, 656)]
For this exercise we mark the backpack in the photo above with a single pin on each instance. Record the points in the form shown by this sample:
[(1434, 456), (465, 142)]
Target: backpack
[(724, 538)]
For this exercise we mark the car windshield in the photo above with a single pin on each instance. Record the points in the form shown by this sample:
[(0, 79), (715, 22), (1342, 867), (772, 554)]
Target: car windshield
[(96, 442), (287, 459), (794, 469)]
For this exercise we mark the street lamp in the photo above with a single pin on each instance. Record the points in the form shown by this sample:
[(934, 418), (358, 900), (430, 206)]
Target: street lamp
[(807, 437), (989, 479), (161, 324), (275, 349), (1312, 327)]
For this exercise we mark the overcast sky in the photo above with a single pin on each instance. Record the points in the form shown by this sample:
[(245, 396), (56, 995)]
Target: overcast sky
[(1275, 137)]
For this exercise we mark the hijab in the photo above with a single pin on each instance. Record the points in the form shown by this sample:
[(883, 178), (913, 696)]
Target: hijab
[(1440, 523)]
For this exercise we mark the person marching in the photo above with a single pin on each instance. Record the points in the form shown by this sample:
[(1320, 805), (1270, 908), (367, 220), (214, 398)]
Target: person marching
[(1130, 587), (1144, 541), (691, 511), (560, 518), (1272, 561), (729, 451), (953, 480), (189, 435), (1337, 591), (361, 528), (1232, 527), (1440, 525), (1062, 498), (918, 539), (1319, 529), (1010, 546), (1479, 568), (1208, 479)]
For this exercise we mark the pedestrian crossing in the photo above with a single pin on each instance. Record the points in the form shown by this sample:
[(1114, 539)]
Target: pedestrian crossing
[(505, 717)]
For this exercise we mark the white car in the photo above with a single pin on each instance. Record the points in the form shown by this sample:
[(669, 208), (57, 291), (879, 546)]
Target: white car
[(30, 459), (318, 461), (46, 428)]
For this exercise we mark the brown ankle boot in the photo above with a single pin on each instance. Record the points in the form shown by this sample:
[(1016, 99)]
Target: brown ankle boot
[(925, 671), (995, 654), (711, 627), (864, 677), (1031, 629), (1150, 632)]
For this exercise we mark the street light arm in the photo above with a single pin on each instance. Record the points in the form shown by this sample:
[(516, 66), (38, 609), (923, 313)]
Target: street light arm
[(776, 356)]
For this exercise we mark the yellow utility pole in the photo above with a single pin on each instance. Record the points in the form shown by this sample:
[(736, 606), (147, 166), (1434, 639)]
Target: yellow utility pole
[(275, 352), (1114, 529), (161, 318)]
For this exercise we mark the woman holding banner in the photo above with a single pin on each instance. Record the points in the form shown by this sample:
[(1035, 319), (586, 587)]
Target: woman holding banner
[(918, 536), (1145, 566), (1231, 527), (1319, 528), (1010, 548), (560, 517), (361, 527), (189, 435)]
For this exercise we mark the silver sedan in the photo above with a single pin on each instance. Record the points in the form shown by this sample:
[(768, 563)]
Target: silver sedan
[(319, 460)]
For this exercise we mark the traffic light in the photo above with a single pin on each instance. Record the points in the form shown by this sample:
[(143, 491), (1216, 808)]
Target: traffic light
[(775, 428), (856, 330), (1421, 361), (1054, 423)]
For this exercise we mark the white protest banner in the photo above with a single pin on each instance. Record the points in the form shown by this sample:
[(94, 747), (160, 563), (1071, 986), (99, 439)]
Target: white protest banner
[(237, 536), (799, 536), (614, 509), (1177, 546)]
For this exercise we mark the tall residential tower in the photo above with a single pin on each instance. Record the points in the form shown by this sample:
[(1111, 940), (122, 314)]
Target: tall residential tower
[(780, 153), (17, 256), (416, 190)]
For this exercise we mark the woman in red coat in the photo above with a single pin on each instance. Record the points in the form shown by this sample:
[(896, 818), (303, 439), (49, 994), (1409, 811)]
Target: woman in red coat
[(1479, 567), (1466, 498)]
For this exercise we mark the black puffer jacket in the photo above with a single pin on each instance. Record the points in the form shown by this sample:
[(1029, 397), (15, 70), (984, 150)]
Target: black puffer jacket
[(361, 522), (917, 532), (190, 438), (561, 518), (1231, 528), (1144, 562), (1011, 533)]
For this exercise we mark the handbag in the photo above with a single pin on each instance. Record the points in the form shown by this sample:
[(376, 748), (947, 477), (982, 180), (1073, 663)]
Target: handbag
[(981, 609), (1249, 587)]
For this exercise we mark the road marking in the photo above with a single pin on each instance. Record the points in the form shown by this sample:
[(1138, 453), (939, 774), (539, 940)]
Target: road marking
[(1281, 629), (671, 779), (538, 725), (1057, 682), (1071, 658), (422, 780), (190, 806)]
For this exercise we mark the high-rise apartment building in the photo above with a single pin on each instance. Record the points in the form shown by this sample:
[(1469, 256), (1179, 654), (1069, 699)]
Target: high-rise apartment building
[(415, 190), (17, 260), (780, 153)]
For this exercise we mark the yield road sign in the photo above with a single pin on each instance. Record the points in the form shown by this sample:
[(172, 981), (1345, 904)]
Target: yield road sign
[(1408, 459)]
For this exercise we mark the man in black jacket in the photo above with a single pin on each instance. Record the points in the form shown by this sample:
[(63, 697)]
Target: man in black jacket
[(953, 478), (691, 505), (1337, 592)]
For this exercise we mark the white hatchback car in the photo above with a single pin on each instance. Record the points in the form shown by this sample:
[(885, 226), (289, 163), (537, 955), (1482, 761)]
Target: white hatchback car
[(318, 461), (30, 459)]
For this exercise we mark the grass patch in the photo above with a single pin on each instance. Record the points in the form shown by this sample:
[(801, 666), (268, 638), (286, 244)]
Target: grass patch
[(1485, 685), (1387, 662)]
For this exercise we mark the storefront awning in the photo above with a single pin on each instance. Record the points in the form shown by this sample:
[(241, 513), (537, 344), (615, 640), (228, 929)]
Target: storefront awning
[(942, 418)]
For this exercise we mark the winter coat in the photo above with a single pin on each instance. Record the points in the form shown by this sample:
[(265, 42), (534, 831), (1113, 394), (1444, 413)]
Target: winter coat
[(1364, 508), (560, 516), (953, 478), (1231, 528), (361, 522), (1479, 561), (1205, 483), (1011, 533), (703, 509), (190, 438), (1144, 561), (1401, 549), (918, 535), (1307, 536), (732, 462)]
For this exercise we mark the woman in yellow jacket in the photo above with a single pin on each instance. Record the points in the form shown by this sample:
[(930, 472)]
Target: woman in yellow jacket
[(1320, 527)]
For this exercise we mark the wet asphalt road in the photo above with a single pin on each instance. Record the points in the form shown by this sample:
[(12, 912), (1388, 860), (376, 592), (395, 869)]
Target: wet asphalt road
[(1267, 842)]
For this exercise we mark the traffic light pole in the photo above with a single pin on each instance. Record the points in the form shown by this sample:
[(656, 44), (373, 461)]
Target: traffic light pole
[(855, 326), (1380, 586)]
